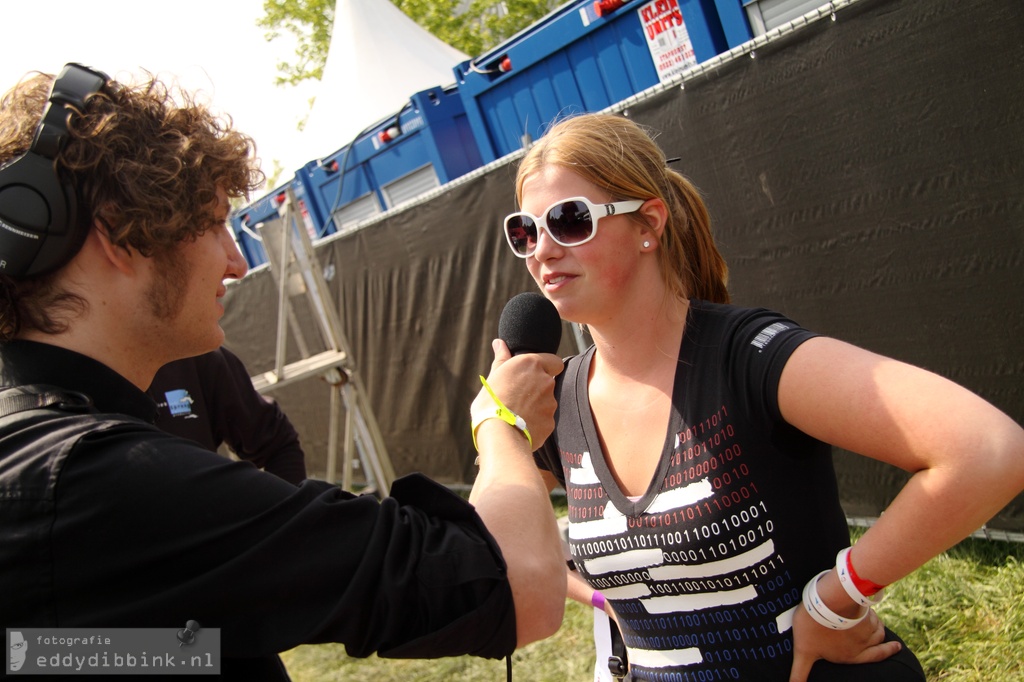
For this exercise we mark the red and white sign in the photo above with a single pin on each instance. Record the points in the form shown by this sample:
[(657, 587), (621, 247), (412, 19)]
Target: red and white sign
[(667, 38)]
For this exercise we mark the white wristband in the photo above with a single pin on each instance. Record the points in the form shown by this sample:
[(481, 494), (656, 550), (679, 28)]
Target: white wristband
[(846, 580), (821, 613)]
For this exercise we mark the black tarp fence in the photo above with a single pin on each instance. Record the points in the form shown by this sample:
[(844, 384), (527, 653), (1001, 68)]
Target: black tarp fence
[(865, 176)]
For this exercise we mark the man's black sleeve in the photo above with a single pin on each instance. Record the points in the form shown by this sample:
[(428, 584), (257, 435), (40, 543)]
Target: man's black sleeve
[(152, 531), (254, 427)]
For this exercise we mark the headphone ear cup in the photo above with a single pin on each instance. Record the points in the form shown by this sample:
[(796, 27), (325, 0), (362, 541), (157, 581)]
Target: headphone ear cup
[(37, 231), (39, 226)]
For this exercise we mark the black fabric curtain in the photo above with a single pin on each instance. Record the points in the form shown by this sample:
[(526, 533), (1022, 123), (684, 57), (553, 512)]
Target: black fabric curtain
[(864, 177)]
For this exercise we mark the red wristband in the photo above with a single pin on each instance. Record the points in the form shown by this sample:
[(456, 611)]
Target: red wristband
[(865, 587)]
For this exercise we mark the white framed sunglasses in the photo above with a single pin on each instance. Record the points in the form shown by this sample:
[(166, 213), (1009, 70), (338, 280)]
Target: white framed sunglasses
[(569, 222)]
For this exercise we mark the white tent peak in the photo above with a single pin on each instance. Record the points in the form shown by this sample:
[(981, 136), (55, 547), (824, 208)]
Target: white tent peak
[(378, 57)]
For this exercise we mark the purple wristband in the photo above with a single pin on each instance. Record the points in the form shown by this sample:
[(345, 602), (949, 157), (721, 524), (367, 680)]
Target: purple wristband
[(597, 600)]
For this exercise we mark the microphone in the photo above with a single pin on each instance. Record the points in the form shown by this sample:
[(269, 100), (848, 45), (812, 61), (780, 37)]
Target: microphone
[(530, 324)]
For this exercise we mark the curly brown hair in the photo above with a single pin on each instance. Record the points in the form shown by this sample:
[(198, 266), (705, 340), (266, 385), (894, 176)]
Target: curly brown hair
[(144, 160)]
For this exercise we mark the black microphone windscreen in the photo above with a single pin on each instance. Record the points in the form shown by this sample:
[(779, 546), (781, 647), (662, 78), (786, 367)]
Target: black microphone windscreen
[(530, 324)]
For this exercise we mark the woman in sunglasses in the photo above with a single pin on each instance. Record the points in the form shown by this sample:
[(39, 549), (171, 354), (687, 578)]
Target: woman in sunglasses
[(693, 438)]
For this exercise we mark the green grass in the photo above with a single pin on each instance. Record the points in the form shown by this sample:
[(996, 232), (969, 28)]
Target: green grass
[(562, 657), (962, 613)]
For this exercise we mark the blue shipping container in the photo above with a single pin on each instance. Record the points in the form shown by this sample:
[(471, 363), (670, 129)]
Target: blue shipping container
[(584, 57), (245, 222), (734, 21), (425, 145)]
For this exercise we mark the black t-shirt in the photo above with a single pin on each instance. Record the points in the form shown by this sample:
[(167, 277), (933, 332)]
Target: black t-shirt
[(210, 399), (110, 522), (705, 569)]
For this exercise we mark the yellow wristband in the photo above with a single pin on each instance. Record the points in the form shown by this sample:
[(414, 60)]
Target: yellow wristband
[(497, 411)]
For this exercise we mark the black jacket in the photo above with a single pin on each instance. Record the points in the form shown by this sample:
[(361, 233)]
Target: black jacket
[(109, 522)]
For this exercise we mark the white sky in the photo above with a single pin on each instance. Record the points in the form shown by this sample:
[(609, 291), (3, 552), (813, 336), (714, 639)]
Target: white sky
[(213, 46)]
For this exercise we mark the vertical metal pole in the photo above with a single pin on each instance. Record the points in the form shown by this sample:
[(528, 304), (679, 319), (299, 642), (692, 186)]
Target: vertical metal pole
[(332, 434), (282, 299), (346, 470)]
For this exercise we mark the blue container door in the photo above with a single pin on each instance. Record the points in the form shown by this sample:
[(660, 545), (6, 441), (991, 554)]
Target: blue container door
[(602, 68)]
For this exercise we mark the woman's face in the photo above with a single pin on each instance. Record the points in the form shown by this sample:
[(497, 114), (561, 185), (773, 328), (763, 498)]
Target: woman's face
[(588, 283)]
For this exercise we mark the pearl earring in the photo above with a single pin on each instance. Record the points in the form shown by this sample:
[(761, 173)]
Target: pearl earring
[(647, 244)]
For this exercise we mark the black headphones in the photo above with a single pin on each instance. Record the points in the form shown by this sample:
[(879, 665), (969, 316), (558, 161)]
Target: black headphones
[(39, 225)]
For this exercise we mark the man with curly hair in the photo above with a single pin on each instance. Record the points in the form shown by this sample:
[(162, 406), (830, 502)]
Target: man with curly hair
[(109, 522)]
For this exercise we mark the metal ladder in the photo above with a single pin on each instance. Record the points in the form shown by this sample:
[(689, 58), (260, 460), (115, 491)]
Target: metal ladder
[(296, 271)]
